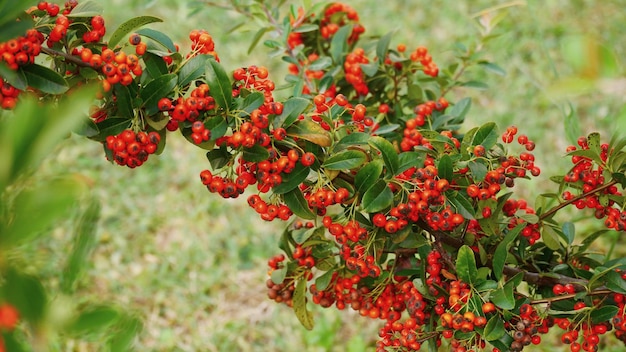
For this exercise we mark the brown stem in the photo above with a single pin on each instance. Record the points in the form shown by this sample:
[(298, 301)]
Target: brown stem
[(67, 57), (597, 292), (575, 199)]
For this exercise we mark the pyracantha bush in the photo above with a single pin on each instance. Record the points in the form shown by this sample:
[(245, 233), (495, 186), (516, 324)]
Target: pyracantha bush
[(392, 209)]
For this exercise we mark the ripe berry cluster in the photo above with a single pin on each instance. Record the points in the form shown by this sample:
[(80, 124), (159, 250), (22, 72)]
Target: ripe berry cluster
[(132, 149)]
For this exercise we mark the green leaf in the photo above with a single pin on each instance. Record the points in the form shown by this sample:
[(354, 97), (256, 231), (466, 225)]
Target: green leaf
[(466, 265), (252, 102), (460, 109), (44, 79), (15, 78), (255, 154), (593, 141), (321, 63), (322, 282), (111, 126), (155, 66), (572, 125), (257, 37), (310, 131), (407, 160), (156, 89), (614, 282), (278, 275), (124, 101), (94, 320), (354, 138), (368, 175), (345, 160), (461, 204), (387, 151), (219, 84), (298, 205), (26, 294), (157, 121), (299, 305), (502, 250), (339, 43), (478, 168), (192, 70), (550, 237), (86, 9), (569, 231), (377, 197), (218, 158), (12, 29), (444, 167), (494, 329), (292, 109), (503, 297), (475, 84), (292, 179), (129, 26), (158, 37), (84, 244), (486, 135), (382, 46), (603, 314), (126, 330), (493, 68)]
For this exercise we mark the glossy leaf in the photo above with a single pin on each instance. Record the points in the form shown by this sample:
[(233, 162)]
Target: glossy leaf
[(310, 131), (158, 37), (44, 79), (382, 46), (339, 43), (252, 102), (292, 179), (219, 84), (486, 135), (192, 70), (322, 282), (292, 109), (129, 26), (124, 101), (387, 151), (503, 297), (111, 126), (156, 89), (550, 237), (299, 305), (494, 328), (368, 175), (407, 160), (461, 204), (298, 205), (255, 154), (355, 138), (16, 78), (502, 250), (444, 167), (218, 158), (466, 265), (345, 160), (602, 314), (86, 9), (614, 282), (377, 197)]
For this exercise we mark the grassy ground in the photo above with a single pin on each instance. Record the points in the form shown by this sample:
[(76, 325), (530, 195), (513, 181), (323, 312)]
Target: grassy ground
[(193, 265)]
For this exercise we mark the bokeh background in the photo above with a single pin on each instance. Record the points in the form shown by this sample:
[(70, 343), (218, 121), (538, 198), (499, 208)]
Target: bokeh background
[(193, 266)]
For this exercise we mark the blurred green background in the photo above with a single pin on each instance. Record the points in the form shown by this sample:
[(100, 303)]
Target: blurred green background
[(194, 266)]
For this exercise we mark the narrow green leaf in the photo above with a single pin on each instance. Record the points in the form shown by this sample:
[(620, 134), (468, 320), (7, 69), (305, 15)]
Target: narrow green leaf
[(387, 151), (156, 89), (124, 101), (461, 204), (377, 198), (299, 305), (569, 231), (255, 154), (550, 237), (444, 167), (486, 135), (125, 333), (158, 37), (111, 127), (84, 244), (603, 314), (322, 282), (310, 131), (466, 265), (460, 109), (355, 138), (345, 160), (252, 102), (382, 46), (155, 66), (339, 43), (475, 84), (219, 84), (93, 320), (493, 68), (367, 176), (130, 25), (502, 250), (298, 205), (494, 329), (44, 79), (572, 125), (292, 179), (257, 37)]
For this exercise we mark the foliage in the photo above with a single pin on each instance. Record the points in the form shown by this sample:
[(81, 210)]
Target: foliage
[(399, 215)]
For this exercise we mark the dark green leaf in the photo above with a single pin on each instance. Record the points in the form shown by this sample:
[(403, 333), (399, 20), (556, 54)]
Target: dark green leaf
[(292, 109), (339, 43), (444, 168), (155, 66), (603, 314), (502, 250), (345, 160), (124, 101), (503, 297), (255, 154), (218, 127), (388, 152), (44, 79), (94, 320), (26, 294), (377, 197), (219, 84), (192, 70), (322, 282), (494, 329), (12, 29), (569, 231), (292, 179), (368, 175), (614, 282), (157, 121), (407, 160), (111, 126), (466, 265), (86, 9), (478, 168), (156, 89), (218, 158), (355, 138), (158, 37), (486, 135), (252, 102), (299, 305), (461, 204), (298, 205), (15, 78), (129, 26)]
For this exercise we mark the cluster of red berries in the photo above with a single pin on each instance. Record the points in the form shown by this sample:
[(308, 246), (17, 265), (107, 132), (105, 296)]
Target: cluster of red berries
[(202, 43), (322, 198), (353, 71), (188, 109), (132, 149), (255, 77), (590, 332), (269, 212), (588, 179), (331, 22), (21, 50), (116, 67), (412, 136), (526, 328), (223, 186), (422, 56), (350, 231), (619, 320), (8, 95), (281, 293)]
